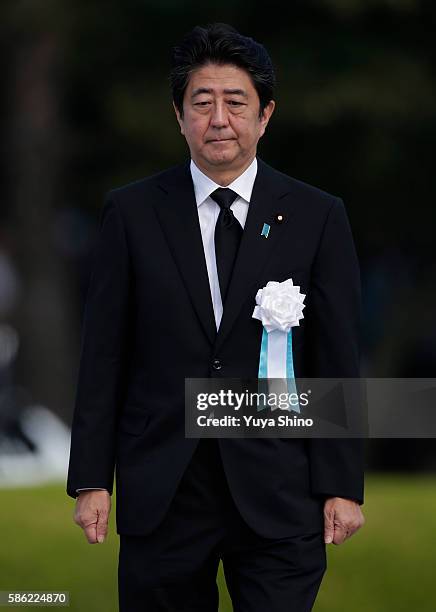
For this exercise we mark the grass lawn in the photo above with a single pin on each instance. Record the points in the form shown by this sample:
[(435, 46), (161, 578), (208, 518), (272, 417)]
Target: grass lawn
[(389, 565)]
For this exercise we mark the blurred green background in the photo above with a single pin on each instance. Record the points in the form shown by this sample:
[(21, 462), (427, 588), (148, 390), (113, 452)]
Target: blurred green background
[(86, 107), (388, 566)]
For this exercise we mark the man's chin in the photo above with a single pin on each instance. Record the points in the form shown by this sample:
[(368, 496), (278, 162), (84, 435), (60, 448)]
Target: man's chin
[(223, 160)]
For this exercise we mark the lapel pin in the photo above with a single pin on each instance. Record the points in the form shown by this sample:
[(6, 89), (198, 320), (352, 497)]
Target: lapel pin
[(265, 230), (279, 218)]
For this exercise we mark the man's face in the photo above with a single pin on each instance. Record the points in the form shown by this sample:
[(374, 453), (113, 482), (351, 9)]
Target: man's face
[(221, 121)]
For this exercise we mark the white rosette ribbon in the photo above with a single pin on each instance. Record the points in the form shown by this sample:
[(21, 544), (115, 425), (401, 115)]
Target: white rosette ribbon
[(280, 307)]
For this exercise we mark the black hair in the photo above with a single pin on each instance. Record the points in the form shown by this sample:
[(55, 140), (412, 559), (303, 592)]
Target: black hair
[(219, 43)]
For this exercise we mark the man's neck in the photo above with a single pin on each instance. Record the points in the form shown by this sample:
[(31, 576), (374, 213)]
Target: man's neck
[(223, 176)]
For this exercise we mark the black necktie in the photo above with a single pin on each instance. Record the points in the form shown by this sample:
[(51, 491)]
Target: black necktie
[(228, 232)]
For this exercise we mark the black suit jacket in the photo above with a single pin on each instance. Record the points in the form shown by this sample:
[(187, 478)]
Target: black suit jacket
[(149, 323)]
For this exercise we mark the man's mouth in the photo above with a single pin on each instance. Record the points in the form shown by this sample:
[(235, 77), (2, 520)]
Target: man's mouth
[(220, 139)]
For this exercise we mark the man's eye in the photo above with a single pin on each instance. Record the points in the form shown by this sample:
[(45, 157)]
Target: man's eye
[(204, 103), (235, 103)]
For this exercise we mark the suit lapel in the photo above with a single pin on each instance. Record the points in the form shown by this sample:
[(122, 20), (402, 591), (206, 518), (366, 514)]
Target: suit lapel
[(178, 216), (255, 250)]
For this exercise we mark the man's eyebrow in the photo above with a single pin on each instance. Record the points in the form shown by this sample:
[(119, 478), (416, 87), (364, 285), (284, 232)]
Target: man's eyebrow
[(206, 90), (200, 90), (236, 92)]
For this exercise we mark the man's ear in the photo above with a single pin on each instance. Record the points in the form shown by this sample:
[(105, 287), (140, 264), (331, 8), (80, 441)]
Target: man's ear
[(267, 112), (179, 119)]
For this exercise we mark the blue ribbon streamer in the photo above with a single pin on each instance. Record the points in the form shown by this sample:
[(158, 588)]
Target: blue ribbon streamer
[(290, 376), (263, 359)]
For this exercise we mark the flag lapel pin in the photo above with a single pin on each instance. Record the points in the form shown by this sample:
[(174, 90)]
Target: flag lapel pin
[(265, 230)]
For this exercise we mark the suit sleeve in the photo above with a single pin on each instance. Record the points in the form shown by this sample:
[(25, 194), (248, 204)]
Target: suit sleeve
[(102, 358), (333, 328)]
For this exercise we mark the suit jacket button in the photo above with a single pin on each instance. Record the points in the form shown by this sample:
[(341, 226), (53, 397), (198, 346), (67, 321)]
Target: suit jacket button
[(216, 364)]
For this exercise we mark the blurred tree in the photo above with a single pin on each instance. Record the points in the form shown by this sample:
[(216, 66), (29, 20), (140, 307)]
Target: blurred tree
[(356, 116), (36, 153)]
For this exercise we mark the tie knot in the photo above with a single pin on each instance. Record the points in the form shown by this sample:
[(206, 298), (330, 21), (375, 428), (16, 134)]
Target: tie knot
[(224, 197)]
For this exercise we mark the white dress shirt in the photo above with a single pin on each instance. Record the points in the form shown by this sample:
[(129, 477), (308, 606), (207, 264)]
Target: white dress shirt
[(208, 211)]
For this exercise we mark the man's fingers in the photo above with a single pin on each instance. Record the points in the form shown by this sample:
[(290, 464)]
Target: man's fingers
[(329, 533), (348, 528), (92, 515), (96, 531), (340, 534), (342, 518), (329, 527), (91, 533), (101, 529)]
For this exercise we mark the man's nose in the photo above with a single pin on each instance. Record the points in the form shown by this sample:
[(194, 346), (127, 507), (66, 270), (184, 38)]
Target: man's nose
[(219, 117)]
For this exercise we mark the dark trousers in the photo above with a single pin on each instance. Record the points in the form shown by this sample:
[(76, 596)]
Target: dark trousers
[(174, 568)]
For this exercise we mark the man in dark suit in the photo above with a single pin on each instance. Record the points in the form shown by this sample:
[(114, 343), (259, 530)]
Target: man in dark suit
[(178, 262)]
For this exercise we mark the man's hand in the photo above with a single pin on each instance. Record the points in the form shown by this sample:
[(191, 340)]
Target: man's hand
[(342, 518), (92, 514)]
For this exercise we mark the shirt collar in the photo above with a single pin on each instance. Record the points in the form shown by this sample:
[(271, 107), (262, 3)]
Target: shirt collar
[(242, 185)]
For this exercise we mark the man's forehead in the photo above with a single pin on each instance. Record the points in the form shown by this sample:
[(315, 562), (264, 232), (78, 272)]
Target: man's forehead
[(220, 79)]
